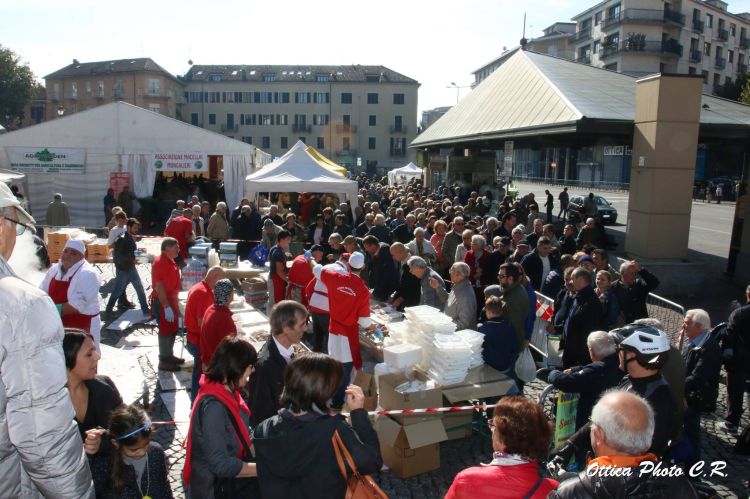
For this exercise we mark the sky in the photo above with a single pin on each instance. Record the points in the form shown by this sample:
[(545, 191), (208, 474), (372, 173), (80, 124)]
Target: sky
[(434, 42)]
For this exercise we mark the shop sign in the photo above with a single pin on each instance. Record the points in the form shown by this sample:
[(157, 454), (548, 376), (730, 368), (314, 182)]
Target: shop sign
[(180, 162), (46, 159)]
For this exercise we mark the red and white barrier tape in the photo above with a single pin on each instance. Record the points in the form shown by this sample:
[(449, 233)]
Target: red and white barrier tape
[(429, 410)]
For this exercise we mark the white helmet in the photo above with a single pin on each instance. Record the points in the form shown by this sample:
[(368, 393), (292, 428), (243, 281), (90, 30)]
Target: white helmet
[(649, 344)]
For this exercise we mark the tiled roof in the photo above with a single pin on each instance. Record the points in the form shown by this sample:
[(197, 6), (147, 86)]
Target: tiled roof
[(84, 69), (290, 72)]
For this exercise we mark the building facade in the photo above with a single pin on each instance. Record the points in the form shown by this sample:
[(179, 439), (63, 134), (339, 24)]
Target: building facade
[(141, 82), (431, 116), (362, 117), (641, 37)]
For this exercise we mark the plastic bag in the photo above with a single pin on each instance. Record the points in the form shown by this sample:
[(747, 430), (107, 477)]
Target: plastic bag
[(525, 366)]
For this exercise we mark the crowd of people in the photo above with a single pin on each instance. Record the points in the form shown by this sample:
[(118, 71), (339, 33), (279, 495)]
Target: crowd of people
[(262, 422)]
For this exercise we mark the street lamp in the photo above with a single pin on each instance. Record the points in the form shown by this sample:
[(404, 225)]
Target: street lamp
[(457, 87), (60, 111)]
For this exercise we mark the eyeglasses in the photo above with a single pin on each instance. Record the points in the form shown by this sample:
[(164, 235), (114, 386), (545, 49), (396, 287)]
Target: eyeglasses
[(502, 276), (21, 227)]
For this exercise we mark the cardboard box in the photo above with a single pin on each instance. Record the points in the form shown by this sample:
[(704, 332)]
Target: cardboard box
[(458, 424), (481, 382), (366, 381), (389, 398), (410, 450), (254, 285)]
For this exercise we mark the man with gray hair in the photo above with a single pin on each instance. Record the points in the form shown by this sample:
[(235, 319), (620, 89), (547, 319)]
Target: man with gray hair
[(703, 363), (590, 380), (632, 289), (41, 449), (218, 225), (419, 269), (461, 303), (622, 427), (453, 239), (407, 292)]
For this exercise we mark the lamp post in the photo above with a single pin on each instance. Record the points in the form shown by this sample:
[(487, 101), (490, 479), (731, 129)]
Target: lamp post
[(457, 87)]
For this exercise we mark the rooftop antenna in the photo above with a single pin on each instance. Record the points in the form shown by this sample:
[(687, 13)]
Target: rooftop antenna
[(523, 38)]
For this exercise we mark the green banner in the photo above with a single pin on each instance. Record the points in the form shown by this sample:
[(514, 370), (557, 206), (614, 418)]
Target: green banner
[(565, 417)]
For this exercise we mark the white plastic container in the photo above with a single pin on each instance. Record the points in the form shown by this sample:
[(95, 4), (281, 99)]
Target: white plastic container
[(402, 356)]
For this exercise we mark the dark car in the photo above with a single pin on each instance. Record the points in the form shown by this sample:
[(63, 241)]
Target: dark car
[(607, 212)]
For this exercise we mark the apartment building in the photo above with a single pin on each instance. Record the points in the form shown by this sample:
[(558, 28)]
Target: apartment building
[(362, 117), (641, 37), (141, 82), (554, 42)]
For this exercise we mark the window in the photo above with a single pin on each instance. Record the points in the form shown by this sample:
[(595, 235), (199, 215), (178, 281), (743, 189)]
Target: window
[(598, 17), (398, 146), (706, 48), (321, 144), (320, 119), (88, 87), (373, 120), (705, 77), (247, 139), (346, 98), (371, 143), (732, 29), (194, 119), (302, 139), (266, 142), (153, 86), (100, 86), (154, 108), (281, 97), (215, 77), (56, 91), (265, 119), (696, 15), (398, 123), (214, 97), (398, 98), (346, 143), (284, 142), (613, 12), (346, 119), (265, 97), (597, 46), (248, 119), (372, 98), (282, 119), (211, 119), (230, 121), (269, 77), (730, 56), (691, 70), (302, 97), (321, 97), (74, 89), (320, 77), (300, 119), (709, 20)]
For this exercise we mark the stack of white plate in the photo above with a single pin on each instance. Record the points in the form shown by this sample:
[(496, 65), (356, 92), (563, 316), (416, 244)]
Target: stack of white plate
[(475, 339), (450, 357)]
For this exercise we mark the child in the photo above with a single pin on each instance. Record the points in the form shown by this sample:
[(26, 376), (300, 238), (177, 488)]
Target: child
[(136, 467)]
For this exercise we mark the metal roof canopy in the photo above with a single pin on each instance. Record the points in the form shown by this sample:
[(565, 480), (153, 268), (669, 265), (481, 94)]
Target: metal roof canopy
[(533, 94)]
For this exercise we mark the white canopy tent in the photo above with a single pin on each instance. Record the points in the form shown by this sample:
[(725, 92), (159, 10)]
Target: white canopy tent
[(298, 171), (404, 174), (120, 137)]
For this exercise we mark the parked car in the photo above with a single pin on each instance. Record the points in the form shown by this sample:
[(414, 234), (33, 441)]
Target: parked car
[(606, 211)]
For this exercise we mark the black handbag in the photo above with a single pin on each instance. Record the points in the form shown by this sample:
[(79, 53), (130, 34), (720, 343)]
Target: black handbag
[(234, 487)]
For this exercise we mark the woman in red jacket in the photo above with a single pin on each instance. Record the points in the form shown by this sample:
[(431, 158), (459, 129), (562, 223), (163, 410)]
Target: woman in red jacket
[(521, 436)]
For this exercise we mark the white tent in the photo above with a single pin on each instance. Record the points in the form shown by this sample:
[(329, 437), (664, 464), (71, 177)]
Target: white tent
[(119, 137), (298, 171), (404, 174)]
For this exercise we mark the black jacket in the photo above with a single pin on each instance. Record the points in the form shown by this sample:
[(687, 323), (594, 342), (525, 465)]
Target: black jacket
[(381, 232), (323, 236), (568, 245), (123, 254), (382, 276), (632, 299), (296, 459), (554, 282), (403, 234), (584, 318), (362, 230), (621, 487), (154, 480), (266, 383), (703, 364), (410, 288), (737, 333), (534, 268), (589, 381)]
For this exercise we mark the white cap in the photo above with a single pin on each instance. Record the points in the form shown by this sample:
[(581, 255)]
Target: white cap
[(76, 244), (357, 260), (7, 198)]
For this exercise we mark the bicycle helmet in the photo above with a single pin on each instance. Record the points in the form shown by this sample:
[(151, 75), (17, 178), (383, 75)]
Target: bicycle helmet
[(649, 344)]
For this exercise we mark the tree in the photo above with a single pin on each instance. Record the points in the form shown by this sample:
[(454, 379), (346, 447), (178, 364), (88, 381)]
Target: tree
[(745, 94), (17, 86), (733, 89)]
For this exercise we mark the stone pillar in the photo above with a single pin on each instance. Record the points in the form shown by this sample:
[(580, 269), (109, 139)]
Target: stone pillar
[(665, 144)]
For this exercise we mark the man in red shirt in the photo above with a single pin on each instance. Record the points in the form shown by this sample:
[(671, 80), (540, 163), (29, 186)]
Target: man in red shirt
[(300, 273), (349, 306), (199, 298), (217, 322), (181, 228), (165, 278)]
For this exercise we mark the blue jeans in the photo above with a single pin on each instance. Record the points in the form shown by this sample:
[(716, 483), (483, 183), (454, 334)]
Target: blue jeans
[(122, 279), (338, 397), (195, 352)]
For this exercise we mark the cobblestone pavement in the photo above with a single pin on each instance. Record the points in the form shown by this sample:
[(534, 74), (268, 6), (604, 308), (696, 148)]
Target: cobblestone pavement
[(455, 455)]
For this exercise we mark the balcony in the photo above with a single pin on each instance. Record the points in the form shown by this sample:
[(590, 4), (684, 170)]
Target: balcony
[(720, 63), (584, 59), (722, 34), (698, 25), (696, 55), (671, 16), (651, 16), (301, 128), (610, 22), (578, 36), (741, 68), (346, 152), (398, 129), (229, 128), (670, 48), (346, 128), (744, 42)]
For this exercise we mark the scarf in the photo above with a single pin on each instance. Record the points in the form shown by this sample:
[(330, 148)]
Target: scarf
[(502, 459), (621, 461), (233, 401)]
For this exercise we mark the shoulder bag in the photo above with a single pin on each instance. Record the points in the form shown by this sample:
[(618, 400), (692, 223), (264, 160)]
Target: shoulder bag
[(357, 486)]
